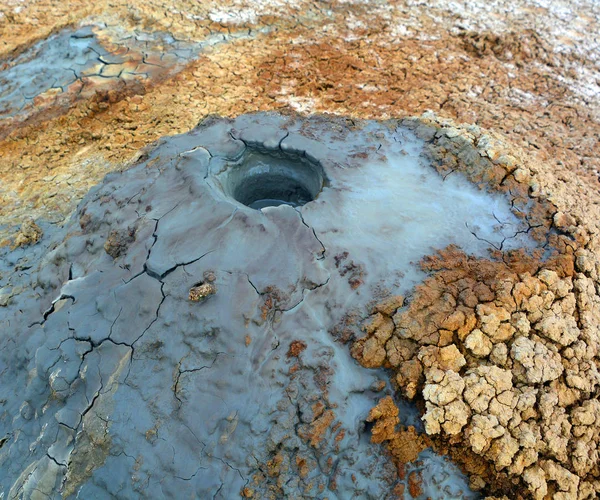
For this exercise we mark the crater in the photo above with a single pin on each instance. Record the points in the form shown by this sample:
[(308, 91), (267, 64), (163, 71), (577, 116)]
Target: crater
[(263, 179)]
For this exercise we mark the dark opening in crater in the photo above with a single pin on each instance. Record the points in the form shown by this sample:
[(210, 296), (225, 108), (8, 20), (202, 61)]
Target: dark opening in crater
[(271, 178)]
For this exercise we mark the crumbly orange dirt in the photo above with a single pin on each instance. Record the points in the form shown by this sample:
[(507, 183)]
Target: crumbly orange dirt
[(503, 352)]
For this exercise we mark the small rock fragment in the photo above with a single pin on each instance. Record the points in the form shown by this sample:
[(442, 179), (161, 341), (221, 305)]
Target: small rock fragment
[(118, 241), (29, 234), (202, 291), (296, 348)]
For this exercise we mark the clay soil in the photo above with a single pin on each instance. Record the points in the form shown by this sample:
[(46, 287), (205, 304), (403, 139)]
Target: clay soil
[(527, 72)]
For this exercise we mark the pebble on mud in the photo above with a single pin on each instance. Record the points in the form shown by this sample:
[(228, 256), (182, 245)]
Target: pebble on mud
[(29, 234), (202, 291)]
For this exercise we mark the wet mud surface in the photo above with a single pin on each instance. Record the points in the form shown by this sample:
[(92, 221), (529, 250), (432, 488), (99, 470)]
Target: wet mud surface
[(182, 342)]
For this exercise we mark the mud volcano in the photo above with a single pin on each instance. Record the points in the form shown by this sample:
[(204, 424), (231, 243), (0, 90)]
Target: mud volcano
[(184, 334), (263, 178)]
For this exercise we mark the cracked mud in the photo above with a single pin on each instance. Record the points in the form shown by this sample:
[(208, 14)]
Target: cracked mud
[(527, 72), (94, 60), (158, 323)]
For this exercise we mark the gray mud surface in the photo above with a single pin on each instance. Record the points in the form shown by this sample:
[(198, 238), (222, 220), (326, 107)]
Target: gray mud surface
[(171, 342)]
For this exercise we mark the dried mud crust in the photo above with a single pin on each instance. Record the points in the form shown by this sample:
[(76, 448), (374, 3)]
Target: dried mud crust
[(99, 62), (503, 352), (530, 73)]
